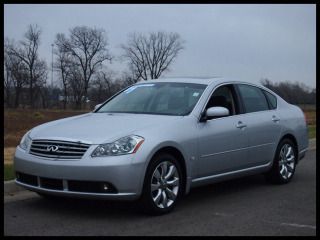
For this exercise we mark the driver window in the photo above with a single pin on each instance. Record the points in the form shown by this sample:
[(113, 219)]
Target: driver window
[(223, 97)]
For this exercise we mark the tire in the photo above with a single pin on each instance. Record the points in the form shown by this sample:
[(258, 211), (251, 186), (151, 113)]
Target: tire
[(284, 163), (163, 186)]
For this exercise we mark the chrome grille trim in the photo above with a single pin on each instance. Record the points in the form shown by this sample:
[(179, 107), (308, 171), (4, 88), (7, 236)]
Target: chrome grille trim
[(66, 150), (65, 147)]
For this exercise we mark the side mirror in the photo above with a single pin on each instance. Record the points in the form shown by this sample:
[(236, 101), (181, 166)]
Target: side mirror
[(97, 106), (217, 112), (214, 112)]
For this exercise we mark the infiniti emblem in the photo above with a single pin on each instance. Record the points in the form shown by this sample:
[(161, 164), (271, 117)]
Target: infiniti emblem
[(52, 148)]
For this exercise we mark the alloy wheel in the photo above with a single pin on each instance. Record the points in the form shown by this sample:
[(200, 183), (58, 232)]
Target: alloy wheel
[(286, 161), (165, 184)]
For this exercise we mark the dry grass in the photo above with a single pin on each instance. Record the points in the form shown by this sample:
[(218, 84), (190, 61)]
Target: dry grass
[(18, 121), (310, 113), (311, 117), (8, 154)]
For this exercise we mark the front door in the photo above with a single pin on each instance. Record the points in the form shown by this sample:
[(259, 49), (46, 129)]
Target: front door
[(223, 141)]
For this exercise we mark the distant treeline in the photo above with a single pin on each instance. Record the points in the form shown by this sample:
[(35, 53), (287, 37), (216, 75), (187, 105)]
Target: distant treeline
[(294, 93)]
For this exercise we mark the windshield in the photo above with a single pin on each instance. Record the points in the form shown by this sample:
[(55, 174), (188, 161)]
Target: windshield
[(156, 98)]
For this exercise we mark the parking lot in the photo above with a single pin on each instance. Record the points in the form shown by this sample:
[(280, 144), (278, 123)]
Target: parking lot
[(246, 206)]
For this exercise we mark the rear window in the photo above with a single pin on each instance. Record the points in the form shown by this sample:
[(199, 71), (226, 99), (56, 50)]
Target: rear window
[(272, 100), (253, 98)]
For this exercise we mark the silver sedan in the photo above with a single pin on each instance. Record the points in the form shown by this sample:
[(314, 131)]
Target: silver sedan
[(155, 140)]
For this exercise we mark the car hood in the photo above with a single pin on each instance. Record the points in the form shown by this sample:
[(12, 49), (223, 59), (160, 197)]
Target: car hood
[(97, 128)]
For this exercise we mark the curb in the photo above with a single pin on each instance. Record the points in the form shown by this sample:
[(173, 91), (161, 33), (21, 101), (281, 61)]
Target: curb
[(10, 187), (312, 144)]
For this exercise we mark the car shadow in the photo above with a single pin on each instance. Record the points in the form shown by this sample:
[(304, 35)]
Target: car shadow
[(228, 187), (89, 208)]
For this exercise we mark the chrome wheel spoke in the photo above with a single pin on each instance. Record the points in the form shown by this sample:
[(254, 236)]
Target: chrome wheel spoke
[(155, 187), (164, 169), (282, 153), (170, 173), (171, 194), (289, 152), (156, 174), (164, 199), (174, 182), (156, 199), (290, 159), (287, 172), (289, 168), (282, 170)]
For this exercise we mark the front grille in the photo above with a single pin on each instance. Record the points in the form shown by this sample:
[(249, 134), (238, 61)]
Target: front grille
[(58, 149)]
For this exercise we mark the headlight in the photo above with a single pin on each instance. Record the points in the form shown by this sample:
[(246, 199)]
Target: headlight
[(125, 145), (25, 141)]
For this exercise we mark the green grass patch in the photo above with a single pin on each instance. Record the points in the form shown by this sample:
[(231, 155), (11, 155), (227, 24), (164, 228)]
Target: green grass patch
[(312, 131), (8, 173)]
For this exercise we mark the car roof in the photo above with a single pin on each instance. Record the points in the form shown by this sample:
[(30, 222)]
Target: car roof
[(200, 80)]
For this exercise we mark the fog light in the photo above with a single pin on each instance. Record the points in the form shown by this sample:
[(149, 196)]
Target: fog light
[(105, 187)]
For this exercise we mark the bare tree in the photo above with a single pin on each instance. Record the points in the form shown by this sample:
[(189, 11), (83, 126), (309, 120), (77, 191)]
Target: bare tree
[(150, 55), (128, 78), (88, 50), (27, 52), (7, 80), (103, 82), (16, 74), (63, 65), (76, 86)]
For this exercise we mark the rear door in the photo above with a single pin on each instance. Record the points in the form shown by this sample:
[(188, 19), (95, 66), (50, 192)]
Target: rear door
[(263, 128)]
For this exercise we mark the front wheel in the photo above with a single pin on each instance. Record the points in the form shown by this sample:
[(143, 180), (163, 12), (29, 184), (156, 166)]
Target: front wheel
[(284, 164), (163, 185)]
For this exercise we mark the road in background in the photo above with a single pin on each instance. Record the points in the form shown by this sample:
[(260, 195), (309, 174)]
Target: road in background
[(246, 206)]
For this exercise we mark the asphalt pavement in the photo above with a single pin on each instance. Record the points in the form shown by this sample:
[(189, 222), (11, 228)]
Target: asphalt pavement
[(245, 206)]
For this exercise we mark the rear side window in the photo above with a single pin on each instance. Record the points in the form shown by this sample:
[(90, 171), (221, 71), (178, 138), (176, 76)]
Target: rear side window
[(272, 100), (253, 98)]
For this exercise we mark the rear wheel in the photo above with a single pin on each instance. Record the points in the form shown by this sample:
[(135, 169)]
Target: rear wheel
[(284, 164), (162, 186)]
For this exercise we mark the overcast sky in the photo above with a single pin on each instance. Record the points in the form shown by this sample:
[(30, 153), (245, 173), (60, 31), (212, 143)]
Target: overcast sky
[(244, 42)]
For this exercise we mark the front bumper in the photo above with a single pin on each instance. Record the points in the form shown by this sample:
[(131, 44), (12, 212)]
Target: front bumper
[(121, 174)]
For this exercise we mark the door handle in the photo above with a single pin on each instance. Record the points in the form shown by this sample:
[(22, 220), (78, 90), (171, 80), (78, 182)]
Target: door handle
[(275, 118), (240, 125)]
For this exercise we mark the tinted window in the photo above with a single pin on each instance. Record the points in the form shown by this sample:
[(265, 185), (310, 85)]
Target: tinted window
[(272, 100), (156, 98), (253, 98)]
